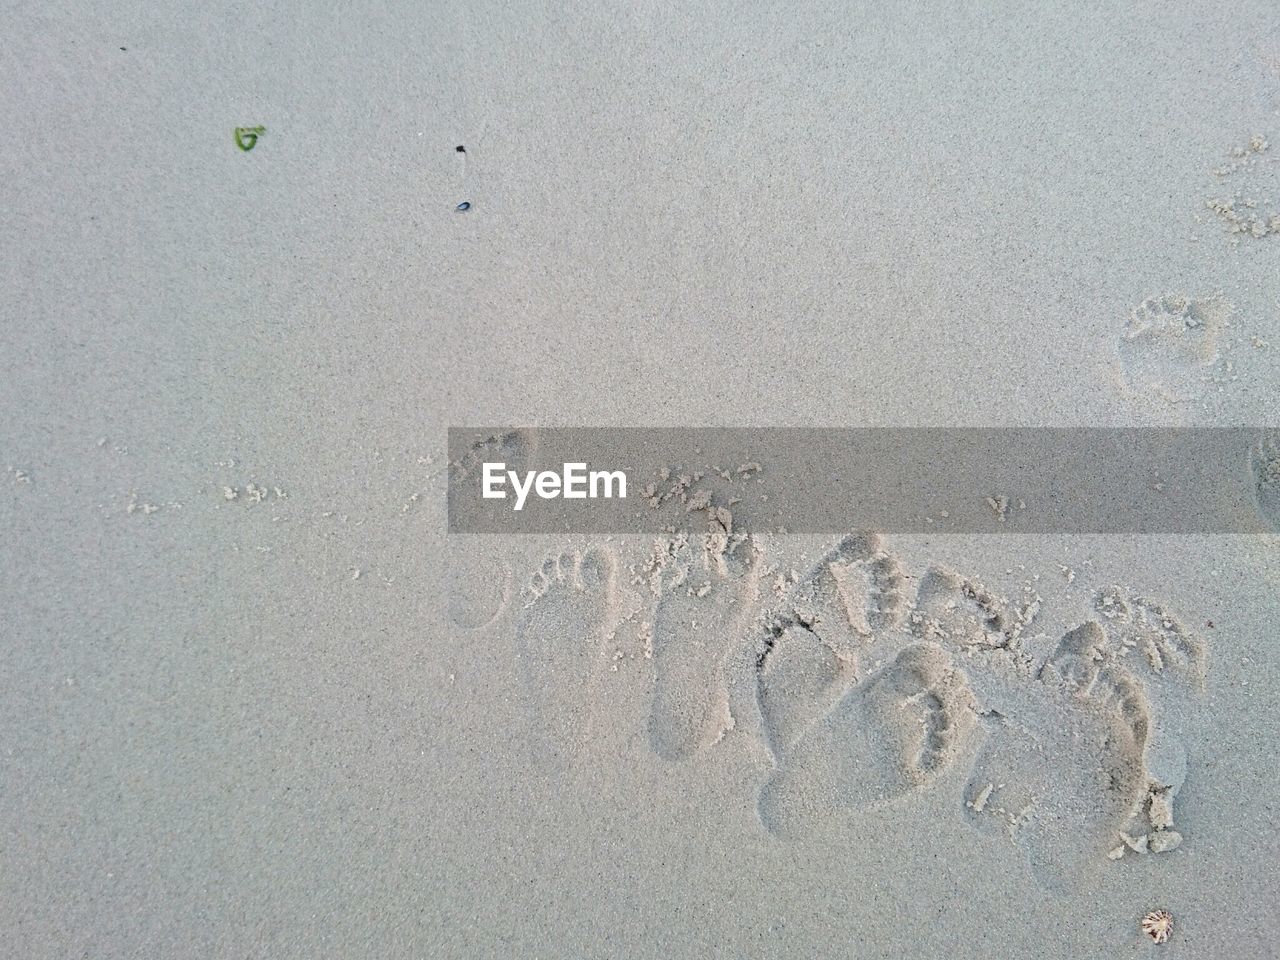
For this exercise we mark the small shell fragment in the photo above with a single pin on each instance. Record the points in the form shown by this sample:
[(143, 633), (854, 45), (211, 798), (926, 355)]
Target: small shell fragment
[(1158, 925), (979, 803), (463, 207)]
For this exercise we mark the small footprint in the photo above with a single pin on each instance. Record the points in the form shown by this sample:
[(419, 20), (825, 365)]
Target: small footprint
[(1067, 775), (854, 593), (1171, 660), (707, 595), (561, 636), (960, 612), (887, 737), (799, 678), (809, 653), (479, 590), (1169, 346), (1264, 465), (515, 448), (1144, 625)]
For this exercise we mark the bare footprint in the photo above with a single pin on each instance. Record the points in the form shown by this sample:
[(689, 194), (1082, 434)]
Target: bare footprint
[(961, 613), (515, 448), (1169, 346), (799, 677), (1065, 777), (1264, 465), (808, 655), (853, 593), (1144, 625), (479, 589), (707, 592), (1171, 660), (890, 736), (571, 611)]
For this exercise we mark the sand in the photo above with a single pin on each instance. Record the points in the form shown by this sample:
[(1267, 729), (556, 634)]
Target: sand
[(258, 703)]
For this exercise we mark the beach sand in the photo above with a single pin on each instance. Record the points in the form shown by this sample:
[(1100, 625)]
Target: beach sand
[(257, 702)]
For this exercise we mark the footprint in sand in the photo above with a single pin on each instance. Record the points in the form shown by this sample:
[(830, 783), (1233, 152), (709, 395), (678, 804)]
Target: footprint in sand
[(1169, 346), (515, 448), (856, 587), (799, 677), (479, 589), (707, 594), (572, 610), (891, 735), (1171, 661), (960, 612), (1264, 465), (1145, 626), (1064, 775), (808, 654)]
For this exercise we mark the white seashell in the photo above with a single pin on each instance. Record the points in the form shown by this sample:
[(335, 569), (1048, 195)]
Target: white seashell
[(1158, 925)]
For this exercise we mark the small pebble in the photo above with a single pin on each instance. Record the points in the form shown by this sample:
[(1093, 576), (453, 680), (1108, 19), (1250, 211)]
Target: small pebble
[(464, 206)]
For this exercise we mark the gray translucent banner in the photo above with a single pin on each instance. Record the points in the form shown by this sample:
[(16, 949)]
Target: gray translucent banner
[(896, 480)]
